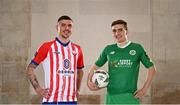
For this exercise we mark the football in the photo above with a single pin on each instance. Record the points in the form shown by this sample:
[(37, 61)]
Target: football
[(100, 78)]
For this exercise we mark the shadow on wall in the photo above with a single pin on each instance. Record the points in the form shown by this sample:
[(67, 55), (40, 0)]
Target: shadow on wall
[(165, 93)]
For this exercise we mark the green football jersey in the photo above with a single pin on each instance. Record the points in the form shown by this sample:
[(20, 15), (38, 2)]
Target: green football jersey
[(123, 66)]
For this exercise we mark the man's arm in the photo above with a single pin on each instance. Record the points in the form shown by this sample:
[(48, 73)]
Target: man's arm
[(32, 77), (91, 85), (80, 74), (142, 92)]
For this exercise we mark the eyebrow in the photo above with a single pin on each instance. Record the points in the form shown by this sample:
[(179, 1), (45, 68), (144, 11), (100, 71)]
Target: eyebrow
[(66, 24), (117, 29)]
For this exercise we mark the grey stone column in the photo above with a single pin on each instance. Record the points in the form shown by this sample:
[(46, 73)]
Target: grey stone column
[(15, 31), (166, 51)]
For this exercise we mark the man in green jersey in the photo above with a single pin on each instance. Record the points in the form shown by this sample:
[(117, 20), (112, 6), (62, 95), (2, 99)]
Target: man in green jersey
[(123, 59)]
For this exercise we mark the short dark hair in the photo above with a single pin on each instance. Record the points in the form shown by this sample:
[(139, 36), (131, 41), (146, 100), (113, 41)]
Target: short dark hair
[(64, 17), (120, 22)]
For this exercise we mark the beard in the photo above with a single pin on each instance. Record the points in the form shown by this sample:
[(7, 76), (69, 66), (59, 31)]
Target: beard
[(121, 38), (65, 34)]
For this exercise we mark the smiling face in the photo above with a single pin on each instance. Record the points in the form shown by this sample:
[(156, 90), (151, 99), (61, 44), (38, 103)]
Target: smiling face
[(64, 28), (119, 33)]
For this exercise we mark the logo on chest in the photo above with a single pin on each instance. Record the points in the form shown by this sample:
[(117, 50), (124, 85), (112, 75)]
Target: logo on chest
[(67, 64), (74, 53), (132, 52), (66, 71)]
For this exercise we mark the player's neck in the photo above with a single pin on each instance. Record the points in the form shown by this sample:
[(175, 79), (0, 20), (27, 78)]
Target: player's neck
[(122, 44), (63, 40)]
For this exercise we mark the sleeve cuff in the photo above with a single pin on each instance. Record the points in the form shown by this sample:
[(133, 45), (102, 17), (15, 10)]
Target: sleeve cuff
[(80, 67), (33, 62)]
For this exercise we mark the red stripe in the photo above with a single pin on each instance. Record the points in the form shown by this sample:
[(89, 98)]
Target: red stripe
[(64, 78), (69, 78), (63, 55), (74, 87), (69, 85), (63, 87), (51, 74), (57, 74), (69, 56)]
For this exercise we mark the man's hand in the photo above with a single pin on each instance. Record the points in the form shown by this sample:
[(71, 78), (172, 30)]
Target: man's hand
[(78, 94), (142, 92), (32, 77), (42, 92), (139, 94), (92, 86)]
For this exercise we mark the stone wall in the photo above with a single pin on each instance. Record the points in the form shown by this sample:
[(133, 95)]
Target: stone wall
[(153, 23), (15, 18), (166, 51)]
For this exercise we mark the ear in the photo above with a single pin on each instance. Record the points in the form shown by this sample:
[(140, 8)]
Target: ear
[(126, 32), (56, 27)]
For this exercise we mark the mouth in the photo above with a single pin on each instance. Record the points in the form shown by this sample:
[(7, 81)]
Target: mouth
[(66, 31), (118, 36)]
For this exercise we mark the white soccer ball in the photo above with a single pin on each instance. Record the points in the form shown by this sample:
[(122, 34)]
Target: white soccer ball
[(100, 78)]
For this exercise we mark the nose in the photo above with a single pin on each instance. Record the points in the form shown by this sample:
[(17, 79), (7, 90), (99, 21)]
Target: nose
[(66, 27), (116, 33)]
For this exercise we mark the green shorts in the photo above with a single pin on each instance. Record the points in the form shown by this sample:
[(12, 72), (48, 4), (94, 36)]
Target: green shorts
[(124, 98)]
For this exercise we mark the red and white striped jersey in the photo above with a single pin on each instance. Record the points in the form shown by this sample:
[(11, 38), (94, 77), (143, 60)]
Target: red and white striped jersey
[(60, 63)]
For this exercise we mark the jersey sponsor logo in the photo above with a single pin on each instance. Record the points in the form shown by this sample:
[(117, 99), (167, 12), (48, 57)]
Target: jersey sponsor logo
[(65, 72), (114, 63), (112, 52), (122, 63), (66, 64), (132, 52), (125, 63)]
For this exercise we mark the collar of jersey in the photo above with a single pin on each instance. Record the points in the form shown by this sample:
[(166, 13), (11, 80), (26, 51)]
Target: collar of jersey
[(129, 42), (64, 44)]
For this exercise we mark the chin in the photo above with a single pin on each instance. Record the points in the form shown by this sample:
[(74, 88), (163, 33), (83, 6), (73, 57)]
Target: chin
[(120, 41), (66, 35)]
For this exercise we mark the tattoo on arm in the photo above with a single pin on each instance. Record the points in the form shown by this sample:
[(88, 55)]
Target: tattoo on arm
[(31, 75)]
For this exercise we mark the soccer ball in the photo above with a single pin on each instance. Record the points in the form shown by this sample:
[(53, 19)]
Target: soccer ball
[(100, 78)]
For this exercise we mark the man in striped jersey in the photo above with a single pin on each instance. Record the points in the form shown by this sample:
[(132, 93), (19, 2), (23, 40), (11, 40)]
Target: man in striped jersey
[(62, 63)]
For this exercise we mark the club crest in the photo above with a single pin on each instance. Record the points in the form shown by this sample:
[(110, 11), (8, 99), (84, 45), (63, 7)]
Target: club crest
[(132, 52), (74, 52), (66, 64)]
